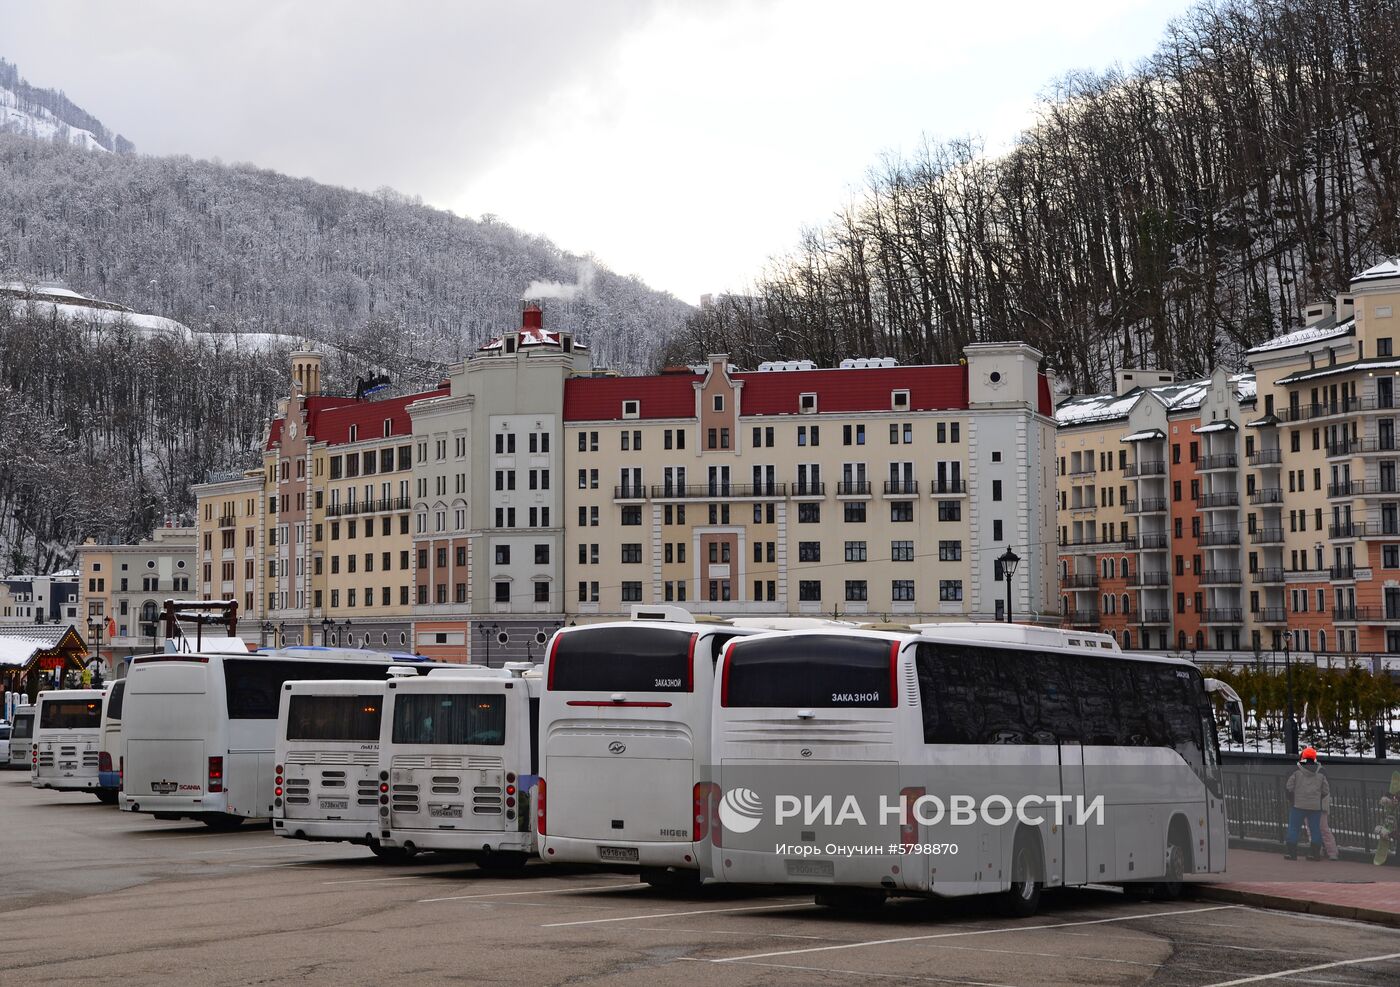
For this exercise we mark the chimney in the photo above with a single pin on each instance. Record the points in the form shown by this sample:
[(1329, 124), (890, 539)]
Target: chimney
[(1315, 312), (1129, 378), (532, 317)]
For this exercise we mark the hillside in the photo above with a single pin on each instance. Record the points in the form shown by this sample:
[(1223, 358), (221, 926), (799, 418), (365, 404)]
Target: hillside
[(48, 114)]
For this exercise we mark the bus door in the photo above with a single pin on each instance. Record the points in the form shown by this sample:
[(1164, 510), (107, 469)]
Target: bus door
[(1074, 838)]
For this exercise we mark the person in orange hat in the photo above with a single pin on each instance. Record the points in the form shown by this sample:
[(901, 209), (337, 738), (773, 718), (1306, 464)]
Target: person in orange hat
[(1308, 791)]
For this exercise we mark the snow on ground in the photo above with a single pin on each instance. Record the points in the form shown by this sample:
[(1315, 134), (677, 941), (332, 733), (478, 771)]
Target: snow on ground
[(41, 123), (1298, 337)]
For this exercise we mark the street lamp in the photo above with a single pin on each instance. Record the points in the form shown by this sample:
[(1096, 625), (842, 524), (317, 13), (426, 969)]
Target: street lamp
[(267, 629), (346, 627), (95, 629), (487, 631), (1290, 725), (326, 625), (1009, 560)]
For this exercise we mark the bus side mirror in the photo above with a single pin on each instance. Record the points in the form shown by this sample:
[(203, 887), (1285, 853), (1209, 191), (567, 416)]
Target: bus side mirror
[(1236, 726)]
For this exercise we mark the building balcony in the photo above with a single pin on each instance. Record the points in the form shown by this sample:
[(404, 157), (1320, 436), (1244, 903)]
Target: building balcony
[(1267, 495), (712, 491), (1356, 615), (1080, 580), (1218, 461), (1150, 577), (1383, 446), (948, 488), (1266, 536), (1378, 529), (1347, 529), (370, 506), (1083, 471), (1153, 540), (1223, 498), (1331, 409), (1268, 576), (1222, 615), (854, 490), (1266, 457), (1219, 536), (227, 521), (1220, 577), (1270, 615), (1081, 618), (1146, 505), (808, 490), (1154, 617), (1342, 573), (1151, 467), (1089, 546), (901, 488)]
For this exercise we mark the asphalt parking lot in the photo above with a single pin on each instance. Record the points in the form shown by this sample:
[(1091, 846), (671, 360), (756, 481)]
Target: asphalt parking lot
[(89, 893)]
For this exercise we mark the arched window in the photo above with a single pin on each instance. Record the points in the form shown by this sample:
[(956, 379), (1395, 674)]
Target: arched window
[(1127, 604), (1321, 640), (1127, 640), (1200, 641), (1125, 567), (1181, 640)]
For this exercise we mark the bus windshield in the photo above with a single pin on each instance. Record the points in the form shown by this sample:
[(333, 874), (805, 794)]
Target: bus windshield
[(632, 659), (114, 701), (24, 726), (71, 714), (813, 670), (336, 718), (449, 718)]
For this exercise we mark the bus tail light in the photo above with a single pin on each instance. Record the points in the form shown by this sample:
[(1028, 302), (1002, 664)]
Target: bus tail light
[(104, 762), (908, 823), (216, 774), (539, 807), (705, 811)]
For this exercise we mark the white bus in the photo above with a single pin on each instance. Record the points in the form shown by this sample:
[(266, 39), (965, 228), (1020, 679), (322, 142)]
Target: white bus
[(198, 730), (974, 757), (67, 740), (326, 784), (625, 739), (109, 775), (458, 751), (22, 738)]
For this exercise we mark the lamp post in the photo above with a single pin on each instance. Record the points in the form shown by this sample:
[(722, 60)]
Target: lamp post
[(95, 629), (346, 628), (326, 625), (267, 629), (281, 634), (487, 631), (1290, 725), (1009, 560)]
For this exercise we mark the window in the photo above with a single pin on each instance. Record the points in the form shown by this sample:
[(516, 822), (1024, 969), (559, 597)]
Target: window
[(503, 555), (631, 591), (631, 409), (809, 590), (948, 551), (632, 552), (450, 718), (809, 551), (948, 510), (808, 513), (717, 403), (807, 404), (948, 590), (855, 591), (855, 552), (503, 592), (541, 591), (542, 554), (903, 510), (996, 490), (631, 516), (854, 511)]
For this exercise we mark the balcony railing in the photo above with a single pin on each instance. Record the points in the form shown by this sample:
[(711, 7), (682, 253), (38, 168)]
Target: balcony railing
[(632, 491), (948, 487), (1104, 544), (1350, 615), (1151, 467), (1266, 457), (809, 488), (1356, 447), (1220, 536), (1089, 470), (1219, 461), (369, 506), (1269, 574), (1150, 578), (1347, 529), (1080, 580), (1384, 528), (1271, 615), (1155, 617), (1346, 406), (1216, 577), (1267, 495), (707, 491), (853, 488), (1223, 498), (1081, 618), (1152, 539), (901, 486), (1342, 573), (1147, 505), (1363, 488), (227, 521), (1225, 615), (1266, 536)]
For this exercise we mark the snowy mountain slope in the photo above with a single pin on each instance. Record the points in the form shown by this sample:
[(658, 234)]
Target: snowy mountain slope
[(41, 123)]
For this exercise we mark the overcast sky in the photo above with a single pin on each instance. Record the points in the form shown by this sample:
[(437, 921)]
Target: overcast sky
[(683, 142)]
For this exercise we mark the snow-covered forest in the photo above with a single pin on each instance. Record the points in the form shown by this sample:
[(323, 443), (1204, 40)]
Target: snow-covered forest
[(1169, 216)]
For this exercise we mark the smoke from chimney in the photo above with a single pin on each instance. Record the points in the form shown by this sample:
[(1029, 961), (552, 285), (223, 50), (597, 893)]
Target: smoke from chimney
[(583, 285)]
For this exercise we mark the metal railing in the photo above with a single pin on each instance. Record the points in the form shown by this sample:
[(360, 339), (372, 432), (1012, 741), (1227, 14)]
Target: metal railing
[(1159, 577), (1079, 618), (1155, 617), (948, 487), (1266, 536), (901, 486), (1150, 467), (227, 521), (1224, 498), (1342, 573), (1219, 461), (1219, 536), (1269, 574), (1270, 615), (707, 491), (1267, 495), (1215, 577), (1080, 580), (1223, 615), (1266, 457)]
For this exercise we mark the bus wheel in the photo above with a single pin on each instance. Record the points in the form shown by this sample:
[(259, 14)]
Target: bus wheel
[(851, 901), (1022, 899), (502, 862), (389, 854), (107, 796), (1170, 889), (222, 821)]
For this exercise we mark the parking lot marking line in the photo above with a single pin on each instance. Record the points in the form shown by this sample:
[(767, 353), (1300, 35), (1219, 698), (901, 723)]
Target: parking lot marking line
[(905, 977), (1257, 978), (510, 894), (727, 932), (702, 911), (380, 880), (976, 932)]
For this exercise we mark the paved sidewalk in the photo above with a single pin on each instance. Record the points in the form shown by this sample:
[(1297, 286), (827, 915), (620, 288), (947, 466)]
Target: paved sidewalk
[(1341, 889)]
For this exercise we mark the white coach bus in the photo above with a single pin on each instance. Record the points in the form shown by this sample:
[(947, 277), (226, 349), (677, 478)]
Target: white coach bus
[(22, 739), (625, 741), (458, 762), (67, 740), (198, 730), (326, 776), (965, 759)]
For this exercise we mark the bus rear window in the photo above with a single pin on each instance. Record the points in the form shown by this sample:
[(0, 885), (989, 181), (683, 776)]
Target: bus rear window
[(254, 685), (71, 714), (616, 659), (114, 701), (335, 718), (24, 727), (449, 718), (811, 671)]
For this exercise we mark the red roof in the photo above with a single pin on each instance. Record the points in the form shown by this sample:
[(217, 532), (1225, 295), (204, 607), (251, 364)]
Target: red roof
[(329, 419), (1047, 403), (592, 399)]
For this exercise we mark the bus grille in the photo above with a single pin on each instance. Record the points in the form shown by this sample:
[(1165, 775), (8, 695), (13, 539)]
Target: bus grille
[(298, 791), (447, 785), (46, 759), (472, 762), (333, 757), (90, 759), (817, 732), (332, 779), (405, 798), (368, 792), (486, 800)]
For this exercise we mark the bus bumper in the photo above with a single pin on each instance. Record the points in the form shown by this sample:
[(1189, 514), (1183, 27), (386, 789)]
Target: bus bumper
[(83, 783), (462, 840), (109, 779), (562, 849), (759, 867), (361, 831), (175, 805)]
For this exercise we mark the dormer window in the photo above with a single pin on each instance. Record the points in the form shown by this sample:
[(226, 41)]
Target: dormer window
[(388, 427), (899, 400), (718, 402), (510, 344), (631, 409), (354, 433), (807, 404)]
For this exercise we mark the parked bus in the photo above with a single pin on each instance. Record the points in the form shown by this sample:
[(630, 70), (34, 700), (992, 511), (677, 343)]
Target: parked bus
[(22, 739), (922, 723), (625, 738), (67, 740), (458, 762), (198, 730), (109, 775), (326, 784)]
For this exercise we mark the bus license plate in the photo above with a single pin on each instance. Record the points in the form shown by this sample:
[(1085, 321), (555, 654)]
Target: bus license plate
[(334, 803), (811, 868), (619, 854), (440, 810)]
